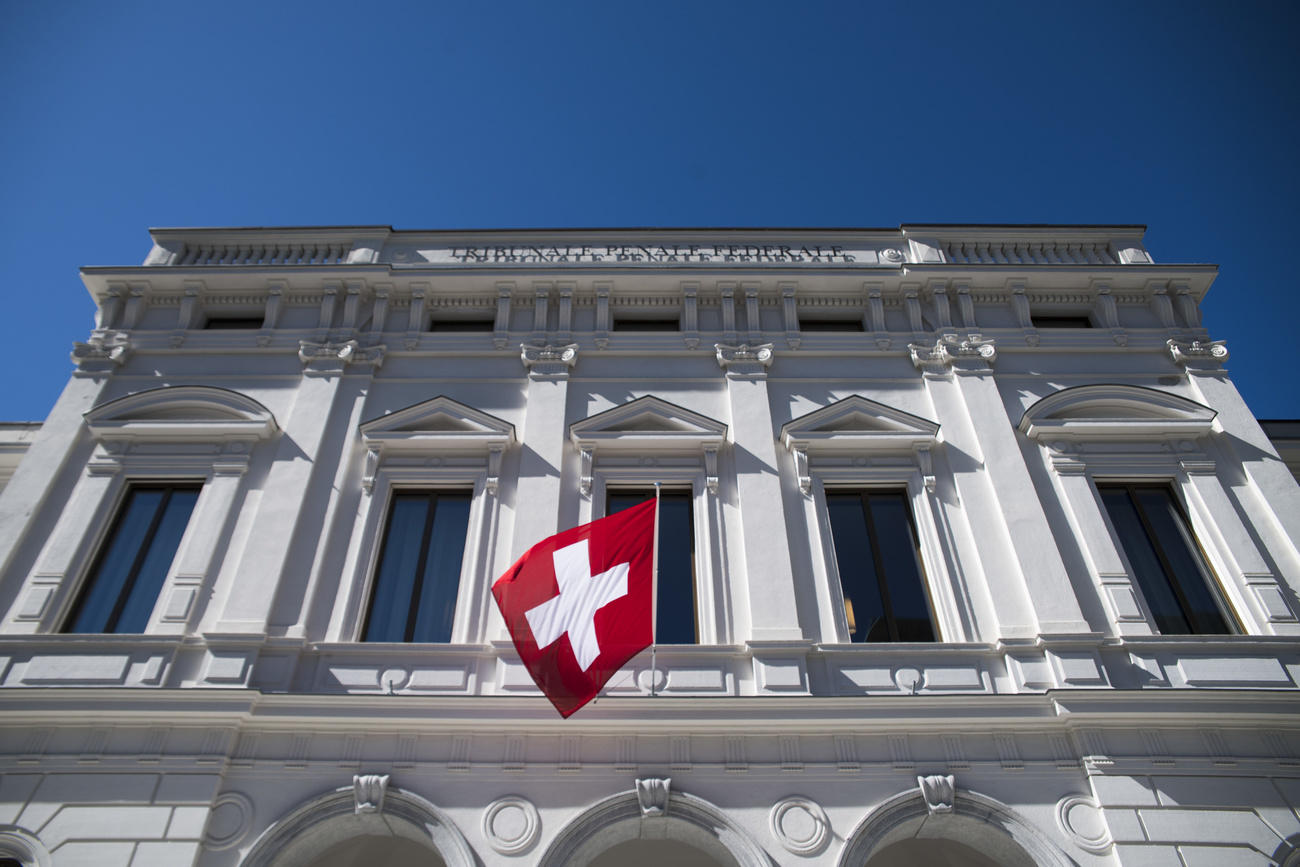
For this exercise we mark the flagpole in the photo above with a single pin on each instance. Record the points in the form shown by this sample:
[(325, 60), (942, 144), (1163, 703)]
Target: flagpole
[(654, 599)]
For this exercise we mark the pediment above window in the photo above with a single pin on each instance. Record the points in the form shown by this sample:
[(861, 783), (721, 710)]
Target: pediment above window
[(182, 413), (1115, 412), (648, 424), (856, 424), (440, 424)]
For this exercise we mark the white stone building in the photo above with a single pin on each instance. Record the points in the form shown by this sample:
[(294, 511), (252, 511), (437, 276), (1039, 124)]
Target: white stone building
[(975, 556)]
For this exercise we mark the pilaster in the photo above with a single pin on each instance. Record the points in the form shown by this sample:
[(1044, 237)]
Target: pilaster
[(996, 489), (769, 580)]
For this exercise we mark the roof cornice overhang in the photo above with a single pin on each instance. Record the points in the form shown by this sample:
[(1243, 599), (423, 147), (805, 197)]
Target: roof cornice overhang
[(1196, 279)]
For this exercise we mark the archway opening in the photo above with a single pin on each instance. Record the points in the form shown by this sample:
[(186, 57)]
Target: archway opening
[(369, 850), (934, 853), (652, 853)]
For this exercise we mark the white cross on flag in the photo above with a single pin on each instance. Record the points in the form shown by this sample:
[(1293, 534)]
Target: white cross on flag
[(579, 604)]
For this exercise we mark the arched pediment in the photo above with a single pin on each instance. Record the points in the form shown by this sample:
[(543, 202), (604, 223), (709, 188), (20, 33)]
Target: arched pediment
[(182, 412), (858, 424), (647, 424), (1115, 412), (441, 424)]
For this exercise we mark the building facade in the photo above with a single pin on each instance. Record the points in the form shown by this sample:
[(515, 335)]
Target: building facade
[(971, 553)]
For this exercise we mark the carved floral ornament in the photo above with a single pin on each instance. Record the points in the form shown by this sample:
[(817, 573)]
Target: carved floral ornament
[(548, 360), (101, 350), (1188, 352), (332, 357), (951, 349)]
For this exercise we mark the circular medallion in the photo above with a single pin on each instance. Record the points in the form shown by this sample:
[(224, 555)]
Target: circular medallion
[(1081, 818), (800, 825), (228, 823), (511, 824)]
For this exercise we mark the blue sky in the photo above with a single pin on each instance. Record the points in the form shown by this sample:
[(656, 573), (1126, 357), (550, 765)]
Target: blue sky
[(115, 117)]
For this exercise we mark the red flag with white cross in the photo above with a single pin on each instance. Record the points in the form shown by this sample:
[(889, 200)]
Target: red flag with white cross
[(579, 604)]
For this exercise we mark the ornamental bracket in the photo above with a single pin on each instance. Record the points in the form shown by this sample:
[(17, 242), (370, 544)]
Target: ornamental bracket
[(652, 795), (938, 791)]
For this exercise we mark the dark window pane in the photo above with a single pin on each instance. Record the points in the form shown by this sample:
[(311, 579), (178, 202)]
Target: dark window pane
[(672, 324), (418, 579), (398, 566), (896, 543), (233, 323), (1189, 572), (1060, 321), (830, 325), (1142, 556), (140, 600), (675, 610), (463, 325), (1168, 568), (123, 586), (863, 605), (880, 569), (437, 604)]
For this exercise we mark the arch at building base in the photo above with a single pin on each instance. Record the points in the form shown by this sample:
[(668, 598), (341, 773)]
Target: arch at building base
[(904, 829), (688, 821), (329, 828)]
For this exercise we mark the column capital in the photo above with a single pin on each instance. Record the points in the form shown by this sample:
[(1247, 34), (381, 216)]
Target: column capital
[(744, 359), (950, 351), (1198, 354), (548, 360)]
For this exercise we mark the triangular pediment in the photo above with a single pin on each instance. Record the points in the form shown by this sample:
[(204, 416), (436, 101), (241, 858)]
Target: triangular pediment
[(647, 422), (440, 422), (182, 412), (856, 423), (1115, 412)]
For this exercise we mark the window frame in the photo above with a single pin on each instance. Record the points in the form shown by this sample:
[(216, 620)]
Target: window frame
[(614, 490), (864, 494), (648, 439), (1214, 585), (174, 434), (113, 526), (439, 444), (1102, 434), (857, 444)]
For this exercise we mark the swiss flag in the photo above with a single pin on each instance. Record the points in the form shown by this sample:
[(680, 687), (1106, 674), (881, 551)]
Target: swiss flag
[(579, 604)]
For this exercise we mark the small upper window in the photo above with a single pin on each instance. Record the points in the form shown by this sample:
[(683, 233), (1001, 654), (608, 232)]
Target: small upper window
[(1175, 580), (1053, 321), (675, 611), (657, 324), (452, 326), (233, 323), (418, 578), (830, 325), (880, 566), (133, 562)]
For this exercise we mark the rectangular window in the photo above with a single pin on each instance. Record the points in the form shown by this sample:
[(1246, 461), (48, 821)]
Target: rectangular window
[(880, 566), (675, 612), (418, 578), (1174, 578), (132, 564), (463, 326), (233, 323), (661, 324), (1045, 321), (830, 326)]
